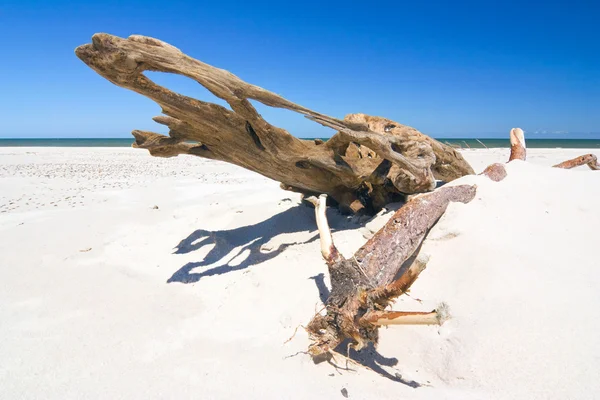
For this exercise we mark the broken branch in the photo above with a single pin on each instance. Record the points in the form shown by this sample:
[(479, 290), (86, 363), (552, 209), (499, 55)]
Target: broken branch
[(385, 318), (588, 159), (328, 250)]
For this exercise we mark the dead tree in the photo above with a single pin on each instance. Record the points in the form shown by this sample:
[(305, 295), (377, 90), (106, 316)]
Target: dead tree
[(369, 162)]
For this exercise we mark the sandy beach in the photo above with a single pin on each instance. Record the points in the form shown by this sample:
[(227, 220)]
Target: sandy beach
[(124, 276)]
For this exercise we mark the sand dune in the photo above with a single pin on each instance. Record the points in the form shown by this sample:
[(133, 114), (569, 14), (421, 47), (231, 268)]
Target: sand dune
[(127, 276)]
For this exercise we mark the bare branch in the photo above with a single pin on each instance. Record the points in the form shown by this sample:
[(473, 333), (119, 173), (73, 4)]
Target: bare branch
[(386, 318), (328, 250)]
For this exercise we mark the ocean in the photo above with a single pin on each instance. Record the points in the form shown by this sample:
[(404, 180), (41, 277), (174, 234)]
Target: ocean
[(464, 143)]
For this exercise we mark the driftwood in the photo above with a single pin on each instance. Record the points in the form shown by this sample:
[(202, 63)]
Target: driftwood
[(363, 286), (369, 162), (518, 151), (588, 159), (385, 267), (495, 172), (517, 145)]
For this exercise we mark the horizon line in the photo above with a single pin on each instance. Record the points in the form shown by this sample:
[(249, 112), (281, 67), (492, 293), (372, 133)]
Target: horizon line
[(306, 138)]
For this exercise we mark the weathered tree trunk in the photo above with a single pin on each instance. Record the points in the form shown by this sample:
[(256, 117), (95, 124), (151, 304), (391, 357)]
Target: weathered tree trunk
[(368, 163), (589, 159), (363, 286)]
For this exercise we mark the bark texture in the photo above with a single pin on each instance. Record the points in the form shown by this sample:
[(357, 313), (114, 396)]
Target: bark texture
[(369, 162), (363, 286)]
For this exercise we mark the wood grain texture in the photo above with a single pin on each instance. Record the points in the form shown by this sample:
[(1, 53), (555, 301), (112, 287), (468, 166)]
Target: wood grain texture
[(369, 162)]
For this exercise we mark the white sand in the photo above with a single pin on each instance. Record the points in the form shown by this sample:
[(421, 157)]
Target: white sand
[(86, 310)]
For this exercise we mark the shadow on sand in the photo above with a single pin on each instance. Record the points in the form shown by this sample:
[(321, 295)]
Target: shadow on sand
[(249, 240), (369, 357)]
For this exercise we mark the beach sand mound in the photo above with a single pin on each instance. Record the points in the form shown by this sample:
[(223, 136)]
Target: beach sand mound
[(196, 298)]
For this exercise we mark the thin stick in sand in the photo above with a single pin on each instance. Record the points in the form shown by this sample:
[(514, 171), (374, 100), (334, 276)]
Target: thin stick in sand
[(384, 318), (480, 142)]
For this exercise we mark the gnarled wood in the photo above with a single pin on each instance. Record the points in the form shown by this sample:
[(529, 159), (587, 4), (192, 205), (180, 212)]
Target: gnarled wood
[(368, 163), (588, 159), (363, 286)]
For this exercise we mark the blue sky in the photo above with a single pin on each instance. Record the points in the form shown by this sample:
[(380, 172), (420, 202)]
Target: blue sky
[(450, 69)]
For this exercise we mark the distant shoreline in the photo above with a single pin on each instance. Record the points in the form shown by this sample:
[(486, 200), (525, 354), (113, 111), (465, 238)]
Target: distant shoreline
[(462, 143)]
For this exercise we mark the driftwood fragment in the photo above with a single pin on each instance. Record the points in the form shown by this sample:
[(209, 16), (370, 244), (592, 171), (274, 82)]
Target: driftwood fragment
[(517, 145), (328, 250), (386, 318), (588, 159), (518, 152), (495, 172), (368, 163), (364, 285)]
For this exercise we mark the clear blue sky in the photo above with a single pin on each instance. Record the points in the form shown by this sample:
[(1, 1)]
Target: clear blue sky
[(448, 68)]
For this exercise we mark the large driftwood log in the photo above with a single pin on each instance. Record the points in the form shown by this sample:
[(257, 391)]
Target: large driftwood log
[(363, 286), (369, 162)]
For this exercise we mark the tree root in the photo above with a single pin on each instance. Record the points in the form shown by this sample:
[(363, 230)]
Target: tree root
[(362, 287)]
